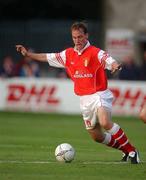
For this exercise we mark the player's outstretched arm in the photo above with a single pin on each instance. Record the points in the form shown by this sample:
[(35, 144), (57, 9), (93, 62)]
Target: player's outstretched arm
[(36, 56)]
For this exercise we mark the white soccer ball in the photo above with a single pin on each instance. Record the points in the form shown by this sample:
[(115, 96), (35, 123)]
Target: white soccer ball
[(64, 152)]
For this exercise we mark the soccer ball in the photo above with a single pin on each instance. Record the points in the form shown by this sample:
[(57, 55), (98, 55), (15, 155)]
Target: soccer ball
[(64, 152)]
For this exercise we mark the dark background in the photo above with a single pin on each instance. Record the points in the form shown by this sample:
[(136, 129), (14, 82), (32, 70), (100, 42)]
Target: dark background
[(45, 25), (54, 9)]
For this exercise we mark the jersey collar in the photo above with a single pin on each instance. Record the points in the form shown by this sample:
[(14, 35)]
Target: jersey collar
[(81, 51)]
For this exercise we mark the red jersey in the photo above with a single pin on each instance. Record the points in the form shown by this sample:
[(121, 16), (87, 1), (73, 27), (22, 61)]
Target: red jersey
[(86, 71), (85, 68)]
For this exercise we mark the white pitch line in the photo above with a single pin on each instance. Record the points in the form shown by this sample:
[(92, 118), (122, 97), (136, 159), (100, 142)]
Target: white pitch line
[(20, 146), (107, 162), (24, 162), (51, 162)]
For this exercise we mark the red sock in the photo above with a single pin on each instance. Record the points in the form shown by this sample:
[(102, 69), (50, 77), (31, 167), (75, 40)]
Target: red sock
[(119, 135), (122, 139), (113, 143), (110, 141)]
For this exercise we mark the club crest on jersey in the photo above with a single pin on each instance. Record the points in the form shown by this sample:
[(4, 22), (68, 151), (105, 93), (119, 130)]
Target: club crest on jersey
[(86, 62)]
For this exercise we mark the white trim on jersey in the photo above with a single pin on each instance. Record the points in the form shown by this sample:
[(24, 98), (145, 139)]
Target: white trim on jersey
[(103, 56), (81, 51), (57, 59)]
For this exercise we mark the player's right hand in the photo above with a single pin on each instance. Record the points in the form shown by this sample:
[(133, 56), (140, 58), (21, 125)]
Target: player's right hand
[(21, 49)]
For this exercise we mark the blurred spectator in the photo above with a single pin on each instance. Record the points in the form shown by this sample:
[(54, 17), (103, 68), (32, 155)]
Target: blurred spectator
[(25, 71), (143, 67), (30, 69), (27, 68), (35, 69), (130, 70), (56, 73), (61, 73), (20, 64), (8, 67)]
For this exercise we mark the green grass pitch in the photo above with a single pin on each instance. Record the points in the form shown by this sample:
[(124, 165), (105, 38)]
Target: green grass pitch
[(28, 142)]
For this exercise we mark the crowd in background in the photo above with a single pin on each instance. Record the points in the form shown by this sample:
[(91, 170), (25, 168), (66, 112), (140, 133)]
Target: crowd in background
[(26, 67), (133, 71)]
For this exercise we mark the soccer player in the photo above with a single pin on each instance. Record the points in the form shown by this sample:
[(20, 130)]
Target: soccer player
[(86, 64), (142, 114)]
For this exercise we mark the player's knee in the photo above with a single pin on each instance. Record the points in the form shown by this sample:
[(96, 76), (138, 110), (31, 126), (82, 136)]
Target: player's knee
[(105, 125)]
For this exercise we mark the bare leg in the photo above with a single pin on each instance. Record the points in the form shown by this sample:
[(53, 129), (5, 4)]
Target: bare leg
[(97, 134), (115, 130), (104, 117), (103, 137)]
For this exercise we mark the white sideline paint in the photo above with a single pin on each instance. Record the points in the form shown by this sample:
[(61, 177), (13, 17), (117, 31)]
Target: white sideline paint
[(52, 162), (24, 162)]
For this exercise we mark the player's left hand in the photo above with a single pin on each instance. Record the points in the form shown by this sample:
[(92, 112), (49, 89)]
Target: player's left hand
[(116, 67)]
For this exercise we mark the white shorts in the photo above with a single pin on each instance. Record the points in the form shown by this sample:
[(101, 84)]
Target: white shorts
[(90, 103)]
